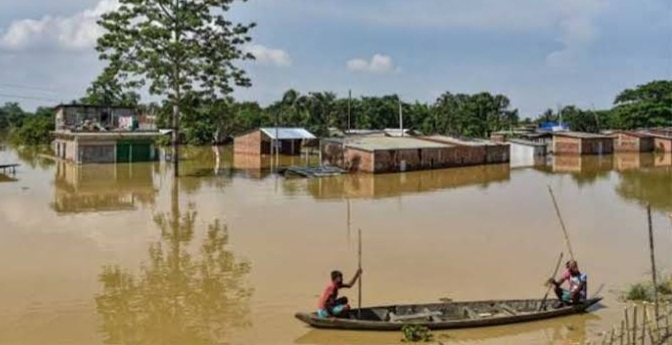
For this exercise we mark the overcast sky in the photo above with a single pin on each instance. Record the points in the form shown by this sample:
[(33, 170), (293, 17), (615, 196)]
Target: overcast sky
[(540, 53)]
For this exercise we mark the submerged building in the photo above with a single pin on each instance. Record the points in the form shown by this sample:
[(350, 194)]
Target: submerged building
[(629, 141), (288, 141), (103, 134), (578, 143), (383, 154)]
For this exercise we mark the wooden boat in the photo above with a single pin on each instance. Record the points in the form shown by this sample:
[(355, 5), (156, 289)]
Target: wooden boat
[(450, 315)]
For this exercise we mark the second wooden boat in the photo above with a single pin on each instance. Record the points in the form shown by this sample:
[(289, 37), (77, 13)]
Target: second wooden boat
[(447, 315)]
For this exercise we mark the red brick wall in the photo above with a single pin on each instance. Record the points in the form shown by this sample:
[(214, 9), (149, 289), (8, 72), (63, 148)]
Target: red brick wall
[(624, 142), (566, 145), (332, 153), (357, 160), (249, 144), (663, 144)]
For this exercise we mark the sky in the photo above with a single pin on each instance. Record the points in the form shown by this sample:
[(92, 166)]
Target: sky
[(540, 53)]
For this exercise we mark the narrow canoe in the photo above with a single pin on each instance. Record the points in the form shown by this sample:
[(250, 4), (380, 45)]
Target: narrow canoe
[(449, 315)]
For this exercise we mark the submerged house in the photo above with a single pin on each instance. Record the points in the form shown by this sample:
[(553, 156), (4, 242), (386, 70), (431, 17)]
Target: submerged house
[(526, 153), (384, 154), (289, 141), (476, 151), (578, 143), (103, 134), (628, 141)]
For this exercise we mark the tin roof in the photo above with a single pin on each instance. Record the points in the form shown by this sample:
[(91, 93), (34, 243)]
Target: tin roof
[(462, 141), (285, 133), (392, 143), (581, 135), (633, 134), (525, 142)]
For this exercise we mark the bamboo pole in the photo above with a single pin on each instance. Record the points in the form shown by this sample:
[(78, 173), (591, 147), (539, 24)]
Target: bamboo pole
[(644, 326), (627, 325), (555, 272), (649, 327), (622, 336), (654, 274), (634, 324), (611, 336), (562, 223), (359, 281)]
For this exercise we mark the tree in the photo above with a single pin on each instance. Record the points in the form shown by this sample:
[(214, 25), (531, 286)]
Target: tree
[(179, 46), (107, 90), (648, 105)]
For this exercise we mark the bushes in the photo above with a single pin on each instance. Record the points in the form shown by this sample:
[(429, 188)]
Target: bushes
[(34, 131), (644, 291)]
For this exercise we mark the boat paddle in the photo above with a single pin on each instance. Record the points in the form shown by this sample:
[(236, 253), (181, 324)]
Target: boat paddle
[(548, 290), (359, 281)]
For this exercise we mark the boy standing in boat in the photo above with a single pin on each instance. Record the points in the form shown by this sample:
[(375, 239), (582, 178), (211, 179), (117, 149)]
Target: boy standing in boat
[(578, 285), (330, 304)]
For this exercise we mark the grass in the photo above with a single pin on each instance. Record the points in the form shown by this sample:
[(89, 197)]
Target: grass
[(644, 292)]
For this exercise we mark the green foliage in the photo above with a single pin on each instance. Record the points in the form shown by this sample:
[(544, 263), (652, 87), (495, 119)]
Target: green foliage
[(648, 105), (416, 333), (34, 129), (107, 90), (177, 46), (644, 292)]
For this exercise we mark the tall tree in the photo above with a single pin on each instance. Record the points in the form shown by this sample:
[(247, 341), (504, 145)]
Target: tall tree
[(648, 105), (179, 46)]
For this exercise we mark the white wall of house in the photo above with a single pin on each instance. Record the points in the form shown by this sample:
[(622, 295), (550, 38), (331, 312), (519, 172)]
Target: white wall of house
[(526, 155)]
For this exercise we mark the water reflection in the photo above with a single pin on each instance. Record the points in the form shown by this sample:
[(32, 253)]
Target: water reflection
[(177, 297), (7, 178), (103, 187), (259, 167), (34, 156), (390, 185), (647, 186), (569, 330)]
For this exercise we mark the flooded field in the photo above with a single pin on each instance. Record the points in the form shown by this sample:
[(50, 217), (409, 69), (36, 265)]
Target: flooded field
[(123, 254)]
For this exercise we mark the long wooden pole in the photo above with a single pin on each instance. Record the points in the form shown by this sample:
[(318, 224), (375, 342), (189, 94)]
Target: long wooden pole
[(654, 275), (555, 272), (359, 281), (562, 223)]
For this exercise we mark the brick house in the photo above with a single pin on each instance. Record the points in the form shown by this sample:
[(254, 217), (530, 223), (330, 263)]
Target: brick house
[(578, 143), (260, 141), (628, 141)]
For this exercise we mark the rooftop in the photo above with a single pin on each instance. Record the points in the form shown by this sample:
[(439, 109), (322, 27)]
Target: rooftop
[(107, 135), (463, 141), (581, 135), (286, 133), (525, 142), (634, 134), (392, 143)]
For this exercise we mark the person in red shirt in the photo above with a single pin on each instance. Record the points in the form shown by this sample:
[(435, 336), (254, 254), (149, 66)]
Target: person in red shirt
[(578, 285), (330, 305)]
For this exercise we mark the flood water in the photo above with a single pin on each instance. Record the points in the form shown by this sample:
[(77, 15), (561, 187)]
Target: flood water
[(107, 254)]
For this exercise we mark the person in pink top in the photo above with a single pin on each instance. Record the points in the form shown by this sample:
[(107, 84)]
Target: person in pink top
[(330, 305), (578, 285)]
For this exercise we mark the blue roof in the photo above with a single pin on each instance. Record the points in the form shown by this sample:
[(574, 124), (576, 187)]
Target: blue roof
[(284, 133)]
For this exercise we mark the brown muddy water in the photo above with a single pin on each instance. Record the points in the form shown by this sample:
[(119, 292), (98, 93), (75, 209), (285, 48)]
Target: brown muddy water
[(122, 255)]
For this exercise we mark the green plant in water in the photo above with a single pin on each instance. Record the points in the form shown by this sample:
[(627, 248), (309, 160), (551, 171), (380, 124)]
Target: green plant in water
[(416, 333), (645, 291)]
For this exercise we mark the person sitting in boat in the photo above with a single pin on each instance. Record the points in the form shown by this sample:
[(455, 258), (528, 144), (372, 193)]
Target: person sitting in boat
[(578, 285), (330, 304)]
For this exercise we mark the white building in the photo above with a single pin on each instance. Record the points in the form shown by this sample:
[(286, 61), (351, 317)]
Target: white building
[(526, 153)]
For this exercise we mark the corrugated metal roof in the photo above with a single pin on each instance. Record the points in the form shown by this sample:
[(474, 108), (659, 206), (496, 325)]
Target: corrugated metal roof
[(525, 142), (284, 133), (392, 143), (581, 135)]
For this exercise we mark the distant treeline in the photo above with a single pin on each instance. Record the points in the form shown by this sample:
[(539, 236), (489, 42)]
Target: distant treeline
[(474, 115)]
